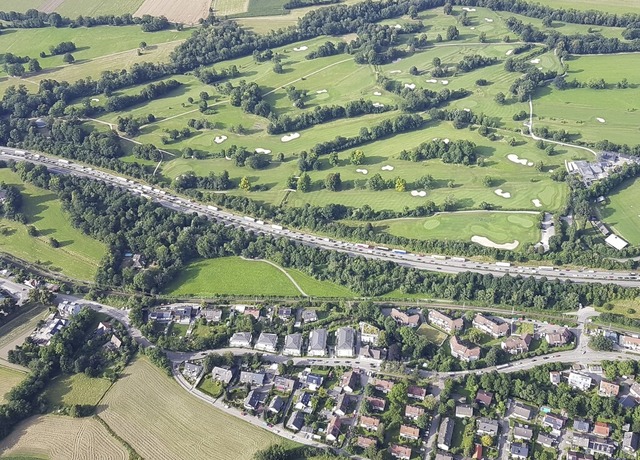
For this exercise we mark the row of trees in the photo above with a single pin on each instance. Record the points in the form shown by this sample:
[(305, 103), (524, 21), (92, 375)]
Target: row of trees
[(459, 152)]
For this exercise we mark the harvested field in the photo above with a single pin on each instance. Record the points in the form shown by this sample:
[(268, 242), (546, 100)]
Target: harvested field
[(51, 5), (176, 10), (183, 426), (8, 379), (229, 7), (62, 438)]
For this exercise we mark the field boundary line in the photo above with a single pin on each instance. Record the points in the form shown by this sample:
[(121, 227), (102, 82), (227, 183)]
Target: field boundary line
[(133, 455), (283, 271)]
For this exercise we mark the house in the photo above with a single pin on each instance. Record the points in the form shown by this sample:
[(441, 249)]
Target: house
[(553, 421), (403, 319), (400, 452), (314, 381), (580, 441), (284, 384), (519, 450), (573, 455), (333, 429), (114, 343), (445, 323), (522, 433), (267, 342), (484, 397), (369, 333), (345, 342), (601, 429), (601, 447), (445, 434), (515, 344), (160, 316), (490, 326), (630, 442), (629, 342), (413, 412), (296, 421), (304, 401), (558, 336), (554, 377), (191, 371), (608, 389), (240, 340), (284, 313), (487, 426), (292, 345), (53, 324), (382, 385), (580, 381), (581, 425), (370, 352), (182, 314), (252, 378), (213, 316), (104, 327), (440, 456), (364, 442), (342, 404), (68, 309), (546, 440), (252, 311), (416, 392), (309, 315), (628, 402), (377, 404), (318, 343), (369, 423), (276, 404), (522, 411), (350, 381), (477, 453), (462, 351), (255, 399), (409, 432), (222, 374), (464, 410), (634, 390)]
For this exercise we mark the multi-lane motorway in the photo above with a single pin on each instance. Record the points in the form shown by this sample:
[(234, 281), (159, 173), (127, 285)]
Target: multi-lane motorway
[(430, 262)]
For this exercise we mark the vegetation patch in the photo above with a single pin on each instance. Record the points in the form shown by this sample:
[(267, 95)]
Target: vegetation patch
[(622, 211), (432, 334), (8, 379), (76, 389)]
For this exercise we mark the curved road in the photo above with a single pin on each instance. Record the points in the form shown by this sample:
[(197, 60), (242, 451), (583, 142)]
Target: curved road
[(417, 261)]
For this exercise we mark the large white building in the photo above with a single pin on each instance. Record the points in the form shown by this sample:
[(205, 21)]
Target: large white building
[(345, 342), (267, 342), (580, 381), (318, 343), (240, 340)]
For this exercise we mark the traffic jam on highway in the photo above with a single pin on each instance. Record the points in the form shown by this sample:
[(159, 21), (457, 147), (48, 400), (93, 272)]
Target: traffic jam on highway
[(419, 261)]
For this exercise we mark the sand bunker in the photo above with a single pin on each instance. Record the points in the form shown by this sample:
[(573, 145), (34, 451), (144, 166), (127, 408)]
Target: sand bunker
[(488, 19), (387, 168), (536, 203), (446, 141), (523, 161), (535, 61), (95, 99), (290, 137), (377, 93), (467, 110), (397, 26), (395, 71), (601, 120), (418, 193), (301, 48), (444, 82), (410, 85), (486, 242), (509, 53), (321, 91), (432, 81), (472, 28), (260, 150), (395, 61), (363, 171), (378, 104), (220, 139), (470, 10), (499, 192)]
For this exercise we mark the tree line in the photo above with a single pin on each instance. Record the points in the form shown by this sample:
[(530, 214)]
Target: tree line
[(459, 152)]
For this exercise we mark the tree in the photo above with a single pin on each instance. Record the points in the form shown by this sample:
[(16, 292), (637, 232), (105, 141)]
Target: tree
[(452, 33), (304, 182), (356, 157), (487, 181), (277, 68), (482, 37), (436, 62), (500, 98), (333, 159), (400, 185), (413, 70), (539, 166), (486, 440), (54, 243), (333, 182), (244, 184), (34, 66), (601, 343), (447, 9), (143, 45), (68, 58), (451, 184)]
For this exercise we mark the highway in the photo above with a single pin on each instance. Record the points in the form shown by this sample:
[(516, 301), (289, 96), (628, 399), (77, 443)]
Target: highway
[(435, 263)]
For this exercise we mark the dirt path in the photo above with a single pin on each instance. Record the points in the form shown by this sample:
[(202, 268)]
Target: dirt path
[(283, 271)]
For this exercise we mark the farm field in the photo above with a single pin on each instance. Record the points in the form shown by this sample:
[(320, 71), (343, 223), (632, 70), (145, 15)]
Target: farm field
[(229, 7), (57, 437), (73, 8), (611, 6), (18, 329), (8, 379), (78, 255), (146, 393), (622, 211), (176, 10), (76, 389)]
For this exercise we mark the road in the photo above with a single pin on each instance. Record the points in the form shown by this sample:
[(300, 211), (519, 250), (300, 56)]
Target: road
[(436, 263)]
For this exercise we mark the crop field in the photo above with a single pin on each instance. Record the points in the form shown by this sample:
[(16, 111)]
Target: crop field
[(73, 8), (61, 438), (8, 379), (611, 6), (183, 426), (223, 8), (76, 389), (622, 211), (176, 10), (78, 255)]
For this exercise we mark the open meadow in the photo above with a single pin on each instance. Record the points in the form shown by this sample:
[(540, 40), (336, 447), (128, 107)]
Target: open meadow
[(73, 8), (76, 389), (622, 211), (14, 332), (182, 425), (8, 379)]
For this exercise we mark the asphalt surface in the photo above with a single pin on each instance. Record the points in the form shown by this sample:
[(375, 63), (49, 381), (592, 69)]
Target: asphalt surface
[(435, 263)]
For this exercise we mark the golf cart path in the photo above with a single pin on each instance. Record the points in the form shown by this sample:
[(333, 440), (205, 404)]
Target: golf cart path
[(282, 270)]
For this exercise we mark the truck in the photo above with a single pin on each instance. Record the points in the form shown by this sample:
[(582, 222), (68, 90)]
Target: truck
[(260, 222), (212, 208), (276, 227), (19, 152), (458, 259), (399, 251), (64, 162), (381, 248), (438, 257), (545, 267), (249, 219), (362, 246), (503, 264)]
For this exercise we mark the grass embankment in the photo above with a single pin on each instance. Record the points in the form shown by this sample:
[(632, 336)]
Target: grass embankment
[(8, 379)]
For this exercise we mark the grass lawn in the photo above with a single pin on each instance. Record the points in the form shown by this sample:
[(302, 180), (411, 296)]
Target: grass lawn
[(210, 387), (78, 255), (610, 6), (524, 328), (620, 211), (316, 288), (265, 8), (75, 8), (432, 334), (76, 389), (8, 379), (178, 330), (627, 308)]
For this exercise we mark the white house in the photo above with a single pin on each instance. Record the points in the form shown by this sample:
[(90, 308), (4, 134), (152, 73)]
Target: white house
[(345, 342), (580, 381), (241, 340), (267, 342)]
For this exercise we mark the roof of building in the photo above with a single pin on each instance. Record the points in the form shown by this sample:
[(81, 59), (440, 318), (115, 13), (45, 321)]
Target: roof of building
[(495, 327), (416, 391), (400, 451), (384, 385), (309, 315), (318, 339), (413, 411), (284, 383), (522, 411), (409, 431), (601, 429), (276, 404), (523, 432), (545, 439), (296, 421), (484, 397), (457, 347), (377, 403), (435, 315), (255, 378), (244, 337), (345, 338), (369, 421), (404, 318), (445, 433), (222, 373), (519, 449), (616, 242), (364, 442), (267, 340), (581, 425), (516, 342), (630, 441), (464, 410), (293, 341), (488, 425), (608, 388)]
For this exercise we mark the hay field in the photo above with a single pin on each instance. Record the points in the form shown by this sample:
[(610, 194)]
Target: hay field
[(8, 379), (229, 7), (177, 424), (62, 438), (76, 389), (176, 10), (622, 211)]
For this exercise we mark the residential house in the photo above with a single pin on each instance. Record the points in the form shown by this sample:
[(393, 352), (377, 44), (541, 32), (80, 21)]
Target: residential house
[(350, 381), (608, 389), (369, 423), (580, 441), (404, 319), (68, 309), (252, 311), (365, 442), (284, 313), (369, 333), (53, 324), (522, 411), (255, 399), (377, 404), (182, 314), (601, 429), (222, 374), (240, 340), (581, 426), (309, 315), (546, 440), (464, 410), (553, 421), (487, 426), (416, 392), (484, 398), (382, 385), (318, 343), (333, 429), (519, 450), (634, 390), (477, 453), (629, 342), (191, 371), (267, 342), (630, 442), (284, 384), (252, 378), (413, 412), (444, 322), (114, 343), (409, 432), (462, 351), (601, 447), (304, 402), (558, 336), (400, 452), (580, 381), (160, 316), (345, 342), (314, 381), (276, 404), (573, 455), (104, 327), (522, 433), (515, 344), (213, 316), (440, 456), (554, 377), (370, 352), (628, 402), (342, 404), (292, 345), (490, 326), (445, 434), (296, 421)]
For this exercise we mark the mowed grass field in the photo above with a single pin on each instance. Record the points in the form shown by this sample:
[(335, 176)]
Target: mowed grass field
[(78, 255), (498, 227), (74, 8), (8, 379), (76, 389), (622, 211), (176, 424), (55, 437), (610, 6)]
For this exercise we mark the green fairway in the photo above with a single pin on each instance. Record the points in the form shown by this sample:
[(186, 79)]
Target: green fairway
[(498, 227), (622, 211), (78, 255), (76, 389)]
